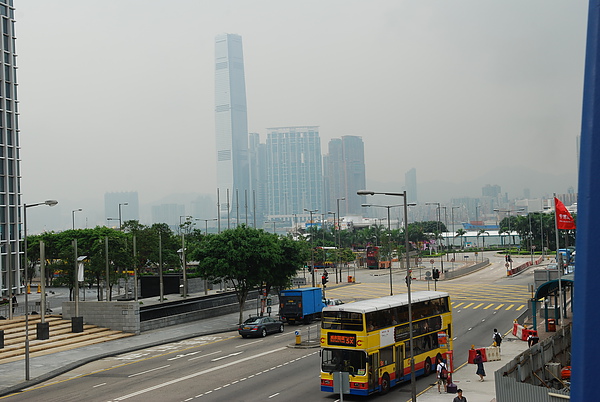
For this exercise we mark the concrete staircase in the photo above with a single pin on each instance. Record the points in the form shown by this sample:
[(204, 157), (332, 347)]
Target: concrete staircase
[(61, 338)]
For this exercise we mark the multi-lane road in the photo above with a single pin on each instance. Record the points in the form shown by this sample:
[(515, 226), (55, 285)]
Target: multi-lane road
[(226, 367)]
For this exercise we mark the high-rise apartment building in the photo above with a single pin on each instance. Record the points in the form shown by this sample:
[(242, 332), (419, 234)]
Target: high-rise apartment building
[(344, 168), (10, 172), (294, 171), (231, 122), (410, 182)]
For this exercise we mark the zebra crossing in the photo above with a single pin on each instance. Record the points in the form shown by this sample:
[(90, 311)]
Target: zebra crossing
[(463, 296)]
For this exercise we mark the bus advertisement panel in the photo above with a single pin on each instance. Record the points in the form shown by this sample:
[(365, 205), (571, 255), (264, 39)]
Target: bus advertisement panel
[(369, 339)]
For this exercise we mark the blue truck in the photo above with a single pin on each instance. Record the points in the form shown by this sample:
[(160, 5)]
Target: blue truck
[(300, 305)]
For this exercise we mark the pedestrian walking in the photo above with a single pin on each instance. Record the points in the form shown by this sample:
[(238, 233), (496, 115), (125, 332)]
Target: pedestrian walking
[(459, 397), (478, 360), (497, 337), (14, 303), (532, 339), (442, 374)]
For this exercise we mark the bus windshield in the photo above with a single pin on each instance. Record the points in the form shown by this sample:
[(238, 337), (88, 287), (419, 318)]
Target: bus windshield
[(351, 361), (342, 320)]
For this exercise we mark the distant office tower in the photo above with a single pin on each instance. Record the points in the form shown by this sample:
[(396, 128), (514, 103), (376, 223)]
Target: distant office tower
[(231, 122), (344, 168), (294, 171), (121, 207), (410, 182), (257, 198), (10, 172), (491, 191)]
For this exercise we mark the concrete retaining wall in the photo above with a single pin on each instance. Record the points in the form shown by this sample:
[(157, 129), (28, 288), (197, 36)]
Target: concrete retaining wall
[(116, 315), (467, 270)]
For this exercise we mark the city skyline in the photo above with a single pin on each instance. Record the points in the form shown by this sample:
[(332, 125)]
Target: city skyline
[(460, 101)]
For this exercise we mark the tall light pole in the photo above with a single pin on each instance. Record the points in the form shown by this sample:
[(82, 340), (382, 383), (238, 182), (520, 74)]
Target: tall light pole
[(312, 247), (206, 224), (439, 208), (452, 217), (509, 211), (389, 233), (273, 222), (120, 218), (339, 240), (73, 214), (413, 386), (446, 225), (187, 219), (50, 203)]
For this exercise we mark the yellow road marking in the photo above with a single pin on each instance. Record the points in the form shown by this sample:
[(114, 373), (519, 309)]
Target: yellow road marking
[(477, 306), (458, 305), (488, 306), (509, 307), (520, 307), (499, 307), (468, 305)]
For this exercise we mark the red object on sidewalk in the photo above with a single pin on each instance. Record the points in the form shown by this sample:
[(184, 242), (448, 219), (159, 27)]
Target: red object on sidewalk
[(473, 353)]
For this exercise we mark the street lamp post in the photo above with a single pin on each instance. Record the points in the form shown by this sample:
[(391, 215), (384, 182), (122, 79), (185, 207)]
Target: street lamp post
[(509, 211), (73, 214), (452, 217), (206, 224), (187, 219), (389, 232), (120, 219), (339, 240), (50, 203), (413, 386), (312, 248), (439, 207), (273, 222), (335, 242)]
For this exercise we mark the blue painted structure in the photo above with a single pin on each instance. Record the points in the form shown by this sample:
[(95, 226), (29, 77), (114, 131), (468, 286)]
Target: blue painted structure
[(586, 320)]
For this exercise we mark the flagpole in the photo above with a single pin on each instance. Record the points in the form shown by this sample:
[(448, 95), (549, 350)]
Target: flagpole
[(558, 263)]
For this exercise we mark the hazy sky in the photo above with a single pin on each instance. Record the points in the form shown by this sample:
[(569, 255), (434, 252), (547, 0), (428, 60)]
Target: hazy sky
[(118, 95)]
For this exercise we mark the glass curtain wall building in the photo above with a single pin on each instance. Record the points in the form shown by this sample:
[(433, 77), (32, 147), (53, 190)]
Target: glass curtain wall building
[(231, 123), (346, 174), (10, 173), (294, 171)]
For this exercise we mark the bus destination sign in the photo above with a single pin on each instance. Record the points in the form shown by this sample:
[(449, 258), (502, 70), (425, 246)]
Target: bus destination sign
[(341, 339)]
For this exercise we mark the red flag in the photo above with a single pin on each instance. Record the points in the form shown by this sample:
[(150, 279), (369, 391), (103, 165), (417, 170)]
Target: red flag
[(564, 220)]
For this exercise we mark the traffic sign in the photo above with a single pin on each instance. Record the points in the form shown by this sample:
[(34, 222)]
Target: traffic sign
[(431, 261)]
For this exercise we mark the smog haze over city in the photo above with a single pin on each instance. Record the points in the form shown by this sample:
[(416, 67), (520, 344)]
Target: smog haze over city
[(118, 95)]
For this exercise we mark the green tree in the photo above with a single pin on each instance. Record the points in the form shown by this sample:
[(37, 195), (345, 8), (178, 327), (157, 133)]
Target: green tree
[(246, 257), (461, 233)]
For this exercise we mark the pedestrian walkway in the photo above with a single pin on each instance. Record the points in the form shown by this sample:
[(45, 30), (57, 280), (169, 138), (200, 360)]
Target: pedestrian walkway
[(43, 368), (465, 378)]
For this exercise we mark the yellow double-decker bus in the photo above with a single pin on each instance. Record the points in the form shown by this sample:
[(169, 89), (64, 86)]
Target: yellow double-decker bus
[(369, 340)]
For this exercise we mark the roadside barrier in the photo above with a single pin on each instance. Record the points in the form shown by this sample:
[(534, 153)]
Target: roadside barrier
[(473, 353), (492, 353), (521, 332)]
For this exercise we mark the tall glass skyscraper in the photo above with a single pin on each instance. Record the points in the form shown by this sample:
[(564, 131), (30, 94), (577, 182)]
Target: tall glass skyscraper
[(231, 122), (294, 171), (10, 159), (410, 183), (345, 173)]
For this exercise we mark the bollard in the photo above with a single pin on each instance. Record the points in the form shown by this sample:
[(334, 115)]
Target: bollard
[(298, 337)]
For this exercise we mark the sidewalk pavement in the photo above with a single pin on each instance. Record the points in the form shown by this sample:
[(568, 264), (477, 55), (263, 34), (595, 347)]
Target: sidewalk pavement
[(43, 368), (465, 378)]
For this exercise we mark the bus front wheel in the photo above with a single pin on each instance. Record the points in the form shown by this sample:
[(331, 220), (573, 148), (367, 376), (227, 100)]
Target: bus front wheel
[(385, 384)]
